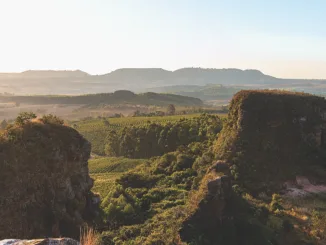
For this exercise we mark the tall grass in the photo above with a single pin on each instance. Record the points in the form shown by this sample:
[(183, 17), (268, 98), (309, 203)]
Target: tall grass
[(88, 236)]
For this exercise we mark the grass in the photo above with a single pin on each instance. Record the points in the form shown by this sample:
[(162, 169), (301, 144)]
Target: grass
[(88, 237), (310, 214), (112, 164), (106, 170)]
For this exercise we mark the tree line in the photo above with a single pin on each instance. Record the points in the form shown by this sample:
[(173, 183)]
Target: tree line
[(155, 139)]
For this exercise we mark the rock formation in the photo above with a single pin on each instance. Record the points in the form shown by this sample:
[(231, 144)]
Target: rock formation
[(52, 241), (44, 181), (211, 210), (273, 136), (270, 139)]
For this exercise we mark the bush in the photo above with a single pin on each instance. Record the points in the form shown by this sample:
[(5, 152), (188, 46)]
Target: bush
[(137, 180), (24, 117), (276, 202), (51, 119)]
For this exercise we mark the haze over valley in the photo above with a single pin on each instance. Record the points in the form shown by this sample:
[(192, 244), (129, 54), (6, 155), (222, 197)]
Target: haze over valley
[(186, 81)]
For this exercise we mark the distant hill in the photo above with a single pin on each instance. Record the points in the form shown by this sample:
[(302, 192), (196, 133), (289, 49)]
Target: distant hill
[(118, 97), (135, 79), (53, 74), (190, 76), (206, 92)]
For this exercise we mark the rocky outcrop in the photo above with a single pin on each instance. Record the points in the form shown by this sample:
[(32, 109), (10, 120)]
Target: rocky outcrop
[(44, 181), (48, 241), (272, 136), (210, 212)]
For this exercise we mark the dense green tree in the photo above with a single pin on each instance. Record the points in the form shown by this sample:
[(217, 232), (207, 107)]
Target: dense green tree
[(170, 110), (155, 139)]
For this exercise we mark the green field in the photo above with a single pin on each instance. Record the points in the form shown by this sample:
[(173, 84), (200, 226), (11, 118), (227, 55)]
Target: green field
[(106, 170)]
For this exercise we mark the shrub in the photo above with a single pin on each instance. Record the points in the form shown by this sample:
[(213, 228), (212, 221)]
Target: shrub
[(24, 117), (51, 119), (276, 202), (137, 180)]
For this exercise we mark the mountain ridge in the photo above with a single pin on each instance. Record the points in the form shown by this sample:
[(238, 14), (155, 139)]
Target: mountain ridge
[(134, 79)]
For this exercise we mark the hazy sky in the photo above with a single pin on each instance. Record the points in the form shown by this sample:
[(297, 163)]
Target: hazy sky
[(284, 38)]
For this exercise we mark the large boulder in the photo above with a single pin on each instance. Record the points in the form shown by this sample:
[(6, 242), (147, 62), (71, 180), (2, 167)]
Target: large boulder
[(44, 181)]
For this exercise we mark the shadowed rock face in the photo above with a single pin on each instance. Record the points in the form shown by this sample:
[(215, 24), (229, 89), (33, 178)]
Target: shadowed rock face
[(272, 136), (44, 181), (209, 216)]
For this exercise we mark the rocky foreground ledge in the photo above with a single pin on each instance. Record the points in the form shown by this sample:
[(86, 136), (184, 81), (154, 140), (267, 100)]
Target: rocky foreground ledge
[(45, 187), (48, 241)]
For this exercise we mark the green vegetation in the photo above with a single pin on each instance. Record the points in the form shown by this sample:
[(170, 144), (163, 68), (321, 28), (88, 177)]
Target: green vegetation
[(145, 201), (151, 203), (24, 117), (203, 179), (147, 204), (107, 169), (97, 130), (155, 139)]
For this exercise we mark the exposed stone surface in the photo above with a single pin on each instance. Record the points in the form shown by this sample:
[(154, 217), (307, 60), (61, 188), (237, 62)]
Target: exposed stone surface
[(44, 181), (302, 188), (50, 241)]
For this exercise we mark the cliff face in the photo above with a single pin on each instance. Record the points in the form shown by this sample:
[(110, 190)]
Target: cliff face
[(210, 216), (273, 136), (44, 181)]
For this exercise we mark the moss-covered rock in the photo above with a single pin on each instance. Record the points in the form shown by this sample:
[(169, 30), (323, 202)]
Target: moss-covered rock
[(44, 181), (272, 136)]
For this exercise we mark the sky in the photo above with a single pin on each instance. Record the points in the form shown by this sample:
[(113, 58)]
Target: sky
[(283, 38)]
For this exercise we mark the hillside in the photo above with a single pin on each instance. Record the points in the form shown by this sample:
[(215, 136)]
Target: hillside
[(254, 178), (118, 97), (136, 80)]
